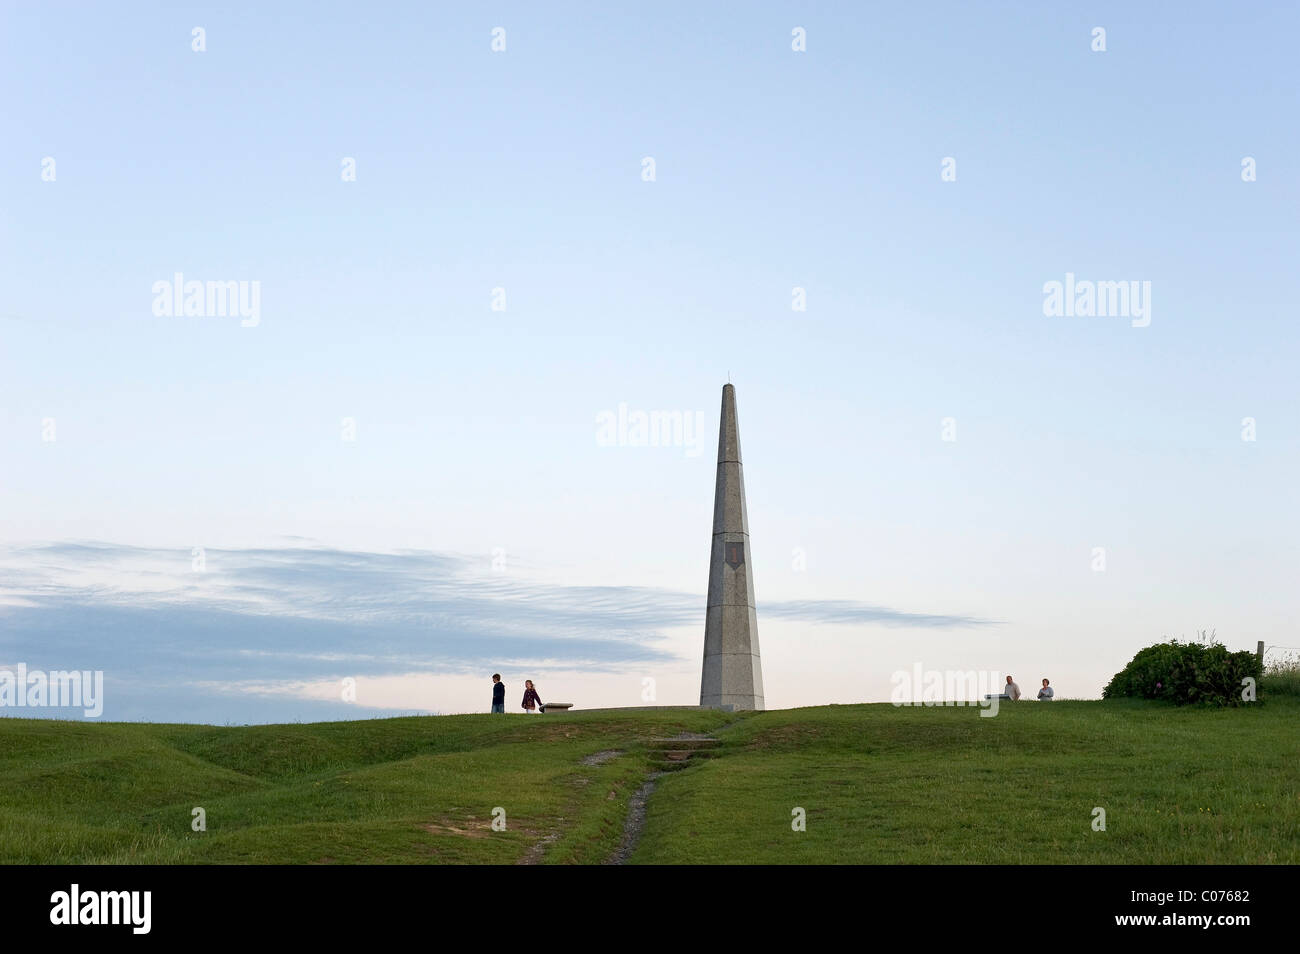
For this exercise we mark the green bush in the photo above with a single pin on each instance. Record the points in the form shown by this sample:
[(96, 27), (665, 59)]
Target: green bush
[(1186, 673)]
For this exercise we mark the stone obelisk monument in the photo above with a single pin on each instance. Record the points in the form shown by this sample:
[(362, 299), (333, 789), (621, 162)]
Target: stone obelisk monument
[(732, 677)]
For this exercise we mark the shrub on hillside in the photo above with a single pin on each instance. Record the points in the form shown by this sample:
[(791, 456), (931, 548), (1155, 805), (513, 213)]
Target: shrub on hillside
[(1186, 673)]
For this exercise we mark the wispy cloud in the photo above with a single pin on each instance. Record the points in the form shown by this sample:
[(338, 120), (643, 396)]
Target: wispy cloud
[(259, 617), (850, 612)]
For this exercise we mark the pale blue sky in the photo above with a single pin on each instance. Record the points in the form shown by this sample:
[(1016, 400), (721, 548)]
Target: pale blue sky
[(476, 429)]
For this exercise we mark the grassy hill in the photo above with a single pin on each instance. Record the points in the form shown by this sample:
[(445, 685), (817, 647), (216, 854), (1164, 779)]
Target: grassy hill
[(877, 784)]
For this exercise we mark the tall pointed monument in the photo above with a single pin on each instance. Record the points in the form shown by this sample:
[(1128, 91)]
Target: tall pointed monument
[(732, 676)]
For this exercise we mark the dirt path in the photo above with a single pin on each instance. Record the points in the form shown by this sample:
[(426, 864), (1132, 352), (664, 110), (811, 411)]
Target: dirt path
[(534, 854), (635, 823), (636, 805), (600, 758)]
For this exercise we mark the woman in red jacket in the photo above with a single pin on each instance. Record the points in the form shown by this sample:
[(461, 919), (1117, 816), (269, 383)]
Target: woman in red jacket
[(531, 698)]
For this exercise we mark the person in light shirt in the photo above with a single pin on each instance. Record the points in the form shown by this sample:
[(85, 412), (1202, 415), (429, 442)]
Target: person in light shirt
[(1045, 694), (1011, 690)]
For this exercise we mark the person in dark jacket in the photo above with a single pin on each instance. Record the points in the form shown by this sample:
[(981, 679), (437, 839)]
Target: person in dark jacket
[(498, 693), (531, 699)]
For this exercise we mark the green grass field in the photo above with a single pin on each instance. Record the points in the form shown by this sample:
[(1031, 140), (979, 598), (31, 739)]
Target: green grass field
[(876, 783)]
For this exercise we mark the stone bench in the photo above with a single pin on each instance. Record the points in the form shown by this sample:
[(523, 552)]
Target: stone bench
[(558, 706)]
